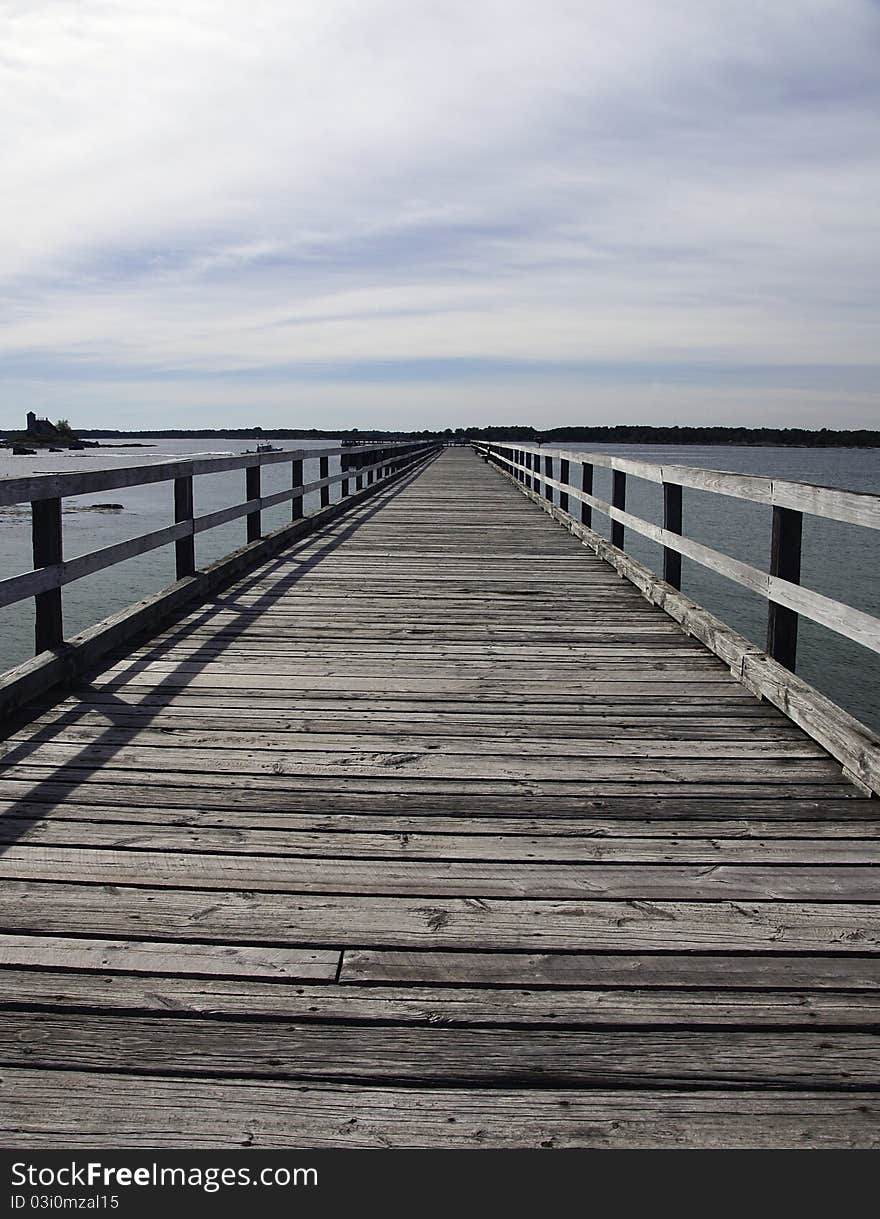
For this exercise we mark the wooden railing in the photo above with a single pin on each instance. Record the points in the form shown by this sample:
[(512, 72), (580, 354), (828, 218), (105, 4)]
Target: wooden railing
[(362, 467), (768, 674), (780, 585)]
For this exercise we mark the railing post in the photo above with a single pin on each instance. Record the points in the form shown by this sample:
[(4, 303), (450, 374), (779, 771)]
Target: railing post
[(252, 491), (587, 488), (618, 500), (785, 562), (672, 523), (343, 469), (324, 472), (185, 547), (563, 478), (47, 550), (359, 481), (548, 473), (296, 480)]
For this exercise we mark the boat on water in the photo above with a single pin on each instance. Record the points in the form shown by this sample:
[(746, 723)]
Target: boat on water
[(264, 448)]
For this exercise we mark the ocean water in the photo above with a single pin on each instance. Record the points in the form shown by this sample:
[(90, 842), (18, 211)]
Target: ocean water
[(841, 561)]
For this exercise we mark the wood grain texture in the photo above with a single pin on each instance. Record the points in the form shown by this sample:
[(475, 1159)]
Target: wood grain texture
[(433, 1053), (75, 1109), (242, 990)]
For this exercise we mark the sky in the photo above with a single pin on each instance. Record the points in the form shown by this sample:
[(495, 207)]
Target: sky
[(400, 213)]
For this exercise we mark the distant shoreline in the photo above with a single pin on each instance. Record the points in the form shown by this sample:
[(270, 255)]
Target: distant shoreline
[(623, 434)]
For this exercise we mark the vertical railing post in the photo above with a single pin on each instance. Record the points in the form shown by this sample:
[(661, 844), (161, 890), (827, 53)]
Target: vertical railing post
[(359, 481), (343, 467), (672, 523), (252, 491), (185, 547), (785, 562), (324, 472), (618, 500), (296, 480), (587, 488), (548, 473), (47, 550), (563, 478)]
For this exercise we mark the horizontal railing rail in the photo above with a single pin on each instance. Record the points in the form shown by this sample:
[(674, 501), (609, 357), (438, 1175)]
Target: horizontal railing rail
[(853, 507), (532, 466), (362, 466)]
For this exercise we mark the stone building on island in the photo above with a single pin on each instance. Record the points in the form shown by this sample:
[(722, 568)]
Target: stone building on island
[(41, 427)]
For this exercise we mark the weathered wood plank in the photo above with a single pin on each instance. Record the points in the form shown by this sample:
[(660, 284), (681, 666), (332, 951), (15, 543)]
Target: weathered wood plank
[(421, 763), (219, 916), (74, 1109), (516, 744), (178, 720), (669, 824), (68, 987), (502, 846), (547, 1057), (543, 880), (141, 956), (312, 792), (608, 970)]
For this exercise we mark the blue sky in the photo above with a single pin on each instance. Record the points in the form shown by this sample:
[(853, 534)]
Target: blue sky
[(386, 213)]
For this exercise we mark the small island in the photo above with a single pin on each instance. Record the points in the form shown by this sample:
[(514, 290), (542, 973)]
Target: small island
[(41, 435)]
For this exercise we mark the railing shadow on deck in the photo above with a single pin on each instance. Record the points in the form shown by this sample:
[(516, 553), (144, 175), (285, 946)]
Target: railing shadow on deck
[(49, 793)]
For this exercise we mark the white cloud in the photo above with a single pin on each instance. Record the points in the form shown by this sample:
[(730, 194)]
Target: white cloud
[(242, 186)]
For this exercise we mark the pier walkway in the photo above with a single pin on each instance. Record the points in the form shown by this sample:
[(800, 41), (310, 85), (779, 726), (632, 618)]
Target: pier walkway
[(432, 831)]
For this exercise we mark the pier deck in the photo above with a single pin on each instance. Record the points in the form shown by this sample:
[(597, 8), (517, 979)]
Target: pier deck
[(432, 832)]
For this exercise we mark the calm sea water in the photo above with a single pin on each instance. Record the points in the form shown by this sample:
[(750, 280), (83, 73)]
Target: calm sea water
[(842, 561)]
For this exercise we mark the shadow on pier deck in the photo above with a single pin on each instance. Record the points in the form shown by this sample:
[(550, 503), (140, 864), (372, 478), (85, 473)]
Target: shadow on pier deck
[(432, 832)]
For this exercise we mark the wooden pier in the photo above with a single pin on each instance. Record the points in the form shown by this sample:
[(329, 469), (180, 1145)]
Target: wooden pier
[(430, 830)]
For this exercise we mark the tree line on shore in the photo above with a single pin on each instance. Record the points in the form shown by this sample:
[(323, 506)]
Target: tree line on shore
[(612, 434)]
